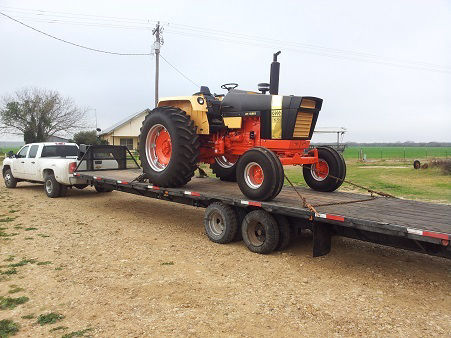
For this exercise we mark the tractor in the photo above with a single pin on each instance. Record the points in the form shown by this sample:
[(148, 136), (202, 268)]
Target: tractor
[(245, 136)]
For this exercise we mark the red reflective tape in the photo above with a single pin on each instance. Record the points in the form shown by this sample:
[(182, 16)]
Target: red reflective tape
[(98, 178), (255, 204), (194, 193), (123, 182), (435, 235), (335, 217), (155, 187)]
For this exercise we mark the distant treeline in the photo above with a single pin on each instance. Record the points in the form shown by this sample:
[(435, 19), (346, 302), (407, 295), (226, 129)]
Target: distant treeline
[(399, 144)]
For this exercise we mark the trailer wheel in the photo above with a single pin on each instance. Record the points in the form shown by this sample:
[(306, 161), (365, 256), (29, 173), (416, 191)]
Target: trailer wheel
[(101, 189), (258, 174), (225, 168), (285, 232), (260, 232), (168, 147), (10, 180), (327, 174), (51, 186), (220, 223)]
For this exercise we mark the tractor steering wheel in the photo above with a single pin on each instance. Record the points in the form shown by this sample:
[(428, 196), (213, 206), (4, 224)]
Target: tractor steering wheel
[(229, 86)]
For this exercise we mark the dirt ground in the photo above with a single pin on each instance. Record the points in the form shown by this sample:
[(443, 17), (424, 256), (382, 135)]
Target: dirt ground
[(129, 266)]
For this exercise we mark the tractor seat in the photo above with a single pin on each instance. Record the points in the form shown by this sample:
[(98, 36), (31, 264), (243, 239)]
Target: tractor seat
[(204, 90)]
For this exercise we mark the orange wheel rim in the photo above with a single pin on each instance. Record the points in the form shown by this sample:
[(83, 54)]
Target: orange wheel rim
[(320, 170), (163, 147)]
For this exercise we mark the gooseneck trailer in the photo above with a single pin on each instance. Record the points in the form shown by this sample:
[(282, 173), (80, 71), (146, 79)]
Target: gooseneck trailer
[(266, 226)]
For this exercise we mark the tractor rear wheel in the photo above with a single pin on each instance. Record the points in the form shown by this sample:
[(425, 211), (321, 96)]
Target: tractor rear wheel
[(259, 174), (168, 147), (225, 168), (328, 174)]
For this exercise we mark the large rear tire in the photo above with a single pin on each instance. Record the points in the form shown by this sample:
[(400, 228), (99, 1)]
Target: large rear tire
[(225, 168), (168, 147), (260, 174), (328, 174)]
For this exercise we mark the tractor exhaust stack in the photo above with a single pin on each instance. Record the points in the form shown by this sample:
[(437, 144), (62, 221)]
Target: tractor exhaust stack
[(274, 76)]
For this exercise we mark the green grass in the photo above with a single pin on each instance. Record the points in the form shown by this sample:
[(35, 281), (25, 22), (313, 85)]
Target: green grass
[(424, 184), (49, 318), (8, 328), (44, 263), (11, 271), (14, 289), (30, 316), (31, 229), (80, 333), (408, 153), (167, 263), (11, 303), (22, 263)]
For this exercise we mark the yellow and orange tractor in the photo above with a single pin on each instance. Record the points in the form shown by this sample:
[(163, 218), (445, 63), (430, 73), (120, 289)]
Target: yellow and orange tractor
[(245, 136)]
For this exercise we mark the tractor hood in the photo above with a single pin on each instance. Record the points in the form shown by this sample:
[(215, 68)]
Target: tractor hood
[(282, 117)]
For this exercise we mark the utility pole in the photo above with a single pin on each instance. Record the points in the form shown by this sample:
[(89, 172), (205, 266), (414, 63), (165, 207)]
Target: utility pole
[(157, 31)]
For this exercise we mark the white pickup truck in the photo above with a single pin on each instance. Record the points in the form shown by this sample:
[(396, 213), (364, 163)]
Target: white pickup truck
[(51, 163)]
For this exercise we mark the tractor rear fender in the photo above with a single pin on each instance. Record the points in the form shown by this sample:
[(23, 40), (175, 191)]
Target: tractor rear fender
[(192, 107)]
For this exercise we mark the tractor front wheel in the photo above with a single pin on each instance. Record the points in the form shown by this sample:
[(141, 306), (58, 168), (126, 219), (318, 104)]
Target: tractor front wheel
[(168, 147), (225, 168), (260, 174), (328, 173)]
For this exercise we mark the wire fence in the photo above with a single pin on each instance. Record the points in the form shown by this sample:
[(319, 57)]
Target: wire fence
[(396, 153)]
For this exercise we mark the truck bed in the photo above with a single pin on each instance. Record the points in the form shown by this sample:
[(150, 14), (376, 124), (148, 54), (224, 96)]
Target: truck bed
[(405, 218)]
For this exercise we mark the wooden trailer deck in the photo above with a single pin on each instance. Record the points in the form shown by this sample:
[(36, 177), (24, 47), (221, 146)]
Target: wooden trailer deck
[(426, 222)]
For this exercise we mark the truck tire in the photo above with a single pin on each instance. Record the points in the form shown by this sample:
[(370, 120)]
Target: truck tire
[(284, 232), (220, 223), (259, 175), (101, 189), (168, 147), (10, 180), (51, 186), (328, 174), (63, 190), (224, 169), (260, 232)]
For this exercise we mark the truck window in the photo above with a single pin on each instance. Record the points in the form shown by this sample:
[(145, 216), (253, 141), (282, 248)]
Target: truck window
[(33, 151), (22, 153), (59, 151)]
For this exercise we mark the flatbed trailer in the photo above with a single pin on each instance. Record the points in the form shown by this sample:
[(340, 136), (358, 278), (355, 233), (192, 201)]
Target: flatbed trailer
[(412, 225)]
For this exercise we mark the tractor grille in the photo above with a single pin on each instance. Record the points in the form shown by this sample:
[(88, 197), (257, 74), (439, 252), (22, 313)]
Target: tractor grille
[(303, 124)]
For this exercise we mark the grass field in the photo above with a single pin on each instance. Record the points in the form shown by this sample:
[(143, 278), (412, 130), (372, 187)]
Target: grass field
[(401, 181), (400, 153)]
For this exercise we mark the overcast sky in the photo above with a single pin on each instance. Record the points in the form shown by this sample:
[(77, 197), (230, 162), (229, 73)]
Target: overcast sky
[(382, 67)]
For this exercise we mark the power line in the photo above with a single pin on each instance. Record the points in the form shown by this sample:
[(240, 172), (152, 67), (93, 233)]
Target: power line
[(72, 43), (178, 71)]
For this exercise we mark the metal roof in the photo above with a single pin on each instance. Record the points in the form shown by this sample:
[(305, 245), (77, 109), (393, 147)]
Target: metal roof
[(122, 122)]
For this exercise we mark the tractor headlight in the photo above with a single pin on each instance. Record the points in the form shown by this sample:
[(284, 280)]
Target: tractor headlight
[(200, 100)]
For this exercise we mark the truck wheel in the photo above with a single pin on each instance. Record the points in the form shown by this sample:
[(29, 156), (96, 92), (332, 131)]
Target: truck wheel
[(220, 223), (284, 232), (51, 186), (258, 174), (328, 173), (63, 190), (168, 147), (225, 168), (260, 232), (80, 186), (101, 189), (10, 180)]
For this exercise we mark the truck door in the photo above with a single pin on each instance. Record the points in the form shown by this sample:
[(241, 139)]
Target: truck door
[(18, 166), (30, 165)]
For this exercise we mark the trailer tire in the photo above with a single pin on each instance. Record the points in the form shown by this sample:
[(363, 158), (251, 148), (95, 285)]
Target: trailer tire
[(220, 222), (258, 174), (168, 147), (51, 186), (319, 176), (224, 169), (285, 232), (260, 232), (10, 180)]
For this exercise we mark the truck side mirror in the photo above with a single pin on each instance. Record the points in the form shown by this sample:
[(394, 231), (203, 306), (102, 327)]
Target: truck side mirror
[(10, 154)]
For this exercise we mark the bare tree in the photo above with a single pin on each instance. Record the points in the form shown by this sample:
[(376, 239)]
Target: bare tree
[(40, 113)]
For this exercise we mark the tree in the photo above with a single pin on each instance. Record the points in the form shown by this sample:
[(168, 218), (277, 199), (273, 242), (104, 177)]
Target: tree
[(39, 113), (87, 137)]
